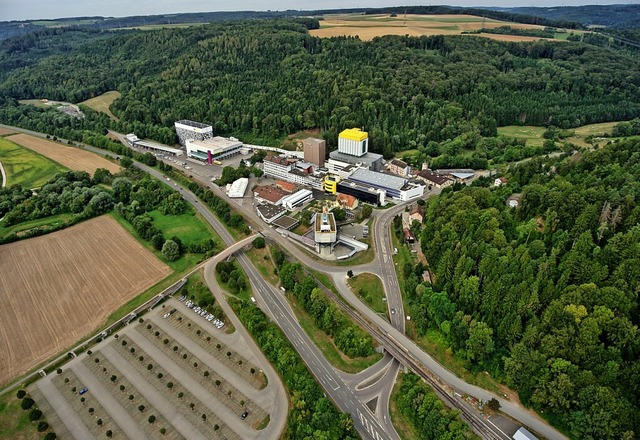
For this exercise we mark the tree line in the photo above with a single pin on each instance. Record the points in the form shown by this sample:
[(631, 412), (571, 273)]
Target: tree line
[(406, 91)]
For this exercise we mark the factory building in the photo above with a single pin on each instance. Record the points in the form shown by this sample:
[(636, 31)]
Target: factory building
[(395, 187), (191, 130), (215, 148), (361, 192), (136, 142), (372, 161), (315, 151), (297, 199), (353, 142)]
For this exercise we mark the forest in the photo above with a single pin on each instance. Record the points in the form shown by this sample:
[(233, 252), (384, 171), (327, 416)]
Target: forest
[(544, 296), (261, 80)]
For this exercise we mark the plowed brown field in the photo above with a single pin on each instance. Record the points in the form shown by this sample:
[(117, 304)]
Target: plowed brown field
[(58, 288), (5, 131), (70, 157)]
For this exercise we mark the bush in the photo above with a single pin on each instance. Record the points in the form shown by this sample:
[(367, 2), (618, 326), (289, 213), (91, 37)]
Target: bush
[(109, 433), (35, 414), (259, 243), (163, 431), (43, 426), (50, 436), (99, 422), (20, 394), (59, 371), (151, 418), (140, 408), (27, 403)]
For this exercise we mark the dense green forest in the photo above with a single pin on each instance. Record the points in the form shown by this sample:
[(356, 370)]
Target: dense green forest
[(545, 295), (265, 79)]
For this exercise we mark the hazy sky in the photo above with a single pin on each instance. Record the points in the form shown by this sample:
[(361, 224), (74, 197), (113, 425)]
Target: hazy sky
[(32, 9)]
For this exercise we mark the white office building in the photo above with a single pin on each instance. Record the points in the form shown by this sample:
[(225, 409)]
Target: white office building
[(192, 130), (297, 199), (214, 148)]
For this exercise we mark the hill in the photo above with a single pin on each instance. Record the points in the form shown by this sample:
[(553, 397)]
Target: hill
[(618, 16)]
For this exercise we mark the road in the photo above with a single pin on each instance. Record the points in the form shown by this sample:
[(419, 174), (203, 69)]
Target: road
[(395, 342)]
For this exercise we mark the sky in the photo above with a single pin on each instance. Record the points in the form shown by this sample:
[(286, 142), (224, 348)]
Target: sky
[(34, 9)]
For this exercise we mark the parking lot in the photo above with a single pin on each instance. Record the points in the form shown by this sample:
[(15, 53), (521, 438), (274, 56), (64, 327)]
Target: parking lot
[(175, 373)]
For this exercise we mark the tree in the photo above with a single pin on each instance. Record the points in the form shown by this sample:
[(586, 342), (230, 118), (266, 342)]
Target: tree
[(339, 214), (126, 162), (350, 273), (141, 408), (27, 403), (20, 394), (35, 414), (480, 343), (151, 418), (157, 241), (259, 243), (366, 211), (170, 250), (50, 436), (493, 404), (109, 433)]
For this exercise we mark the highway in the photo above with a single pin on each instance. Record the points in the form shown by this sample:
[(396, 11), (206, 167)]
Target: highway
[(391, 335)]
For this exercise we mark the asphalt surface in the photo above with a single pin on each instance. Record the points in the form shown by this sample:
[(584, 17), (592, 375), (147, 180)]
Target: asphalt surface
[(521, 414)]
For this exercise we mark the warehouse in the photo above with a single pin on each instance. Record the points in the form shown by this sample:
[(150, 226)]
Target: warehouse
[(297, 199), (394, 186), (215, 148)]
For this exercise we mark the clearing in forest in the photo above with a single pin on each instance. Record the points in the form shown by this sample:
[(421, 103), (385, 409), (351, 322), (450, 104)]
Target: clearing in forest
[(24, 167), (57, 288), (368, 27), (71, 157), (103, 102), (534, 135)]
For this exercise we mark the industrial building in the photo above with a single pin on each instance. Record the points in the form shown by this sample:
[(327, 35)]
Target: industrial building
[(297, 199), (353, 142), (215, 148), (269, 194), (434, 179), (315, 151), (372, 161), (361, 192), (270, 213), (136, 142), (399, 167), (191, 130), (292, 170), (394, 186), (238, 188)]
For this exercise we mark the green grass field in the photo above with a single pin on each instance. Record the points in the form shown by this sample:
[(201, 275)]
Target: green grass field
[(533, 135), (26, 168), (368, 288), (187, 227), (103, 102), (53, 221), (14, 421)]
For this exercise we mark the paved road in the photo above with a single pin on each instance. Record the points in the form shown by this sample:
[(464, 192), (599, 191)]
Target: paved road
[(521, 414)]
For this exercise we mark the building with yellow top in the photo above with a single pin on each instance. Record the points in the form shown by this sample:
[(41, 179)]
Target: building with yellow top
[(353, 142), (331, 184)]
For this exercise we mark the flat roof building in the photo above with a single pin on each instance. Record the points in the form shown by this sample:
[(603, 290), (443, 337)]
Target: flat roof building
[(213, 148), (192, 130), (269, 194), (372, 161), (353, 141), (394, 186), (325, 229), (270, 213), (297, 199), (362, 192), (315, 151)]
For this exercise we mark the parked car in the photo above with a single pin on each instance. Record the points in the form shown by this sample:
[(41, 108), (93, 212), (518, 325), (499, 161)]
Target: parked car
[(83, 390)]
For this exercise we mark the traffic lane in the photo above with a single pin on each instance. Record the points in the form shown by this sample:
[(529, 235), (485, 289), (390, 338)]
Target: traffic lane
[(342, 395)]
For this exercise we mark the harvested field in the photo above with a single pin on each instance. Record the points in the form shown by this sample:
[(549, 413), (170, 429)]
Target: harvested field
[(368, 27), (57, 288), (70, 157), (6, 131)]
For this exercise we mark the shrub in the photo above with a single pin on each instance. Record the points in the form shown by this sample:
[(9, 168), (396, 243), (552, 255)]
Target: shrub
[(66, 380), (50, 436), (99, 422), (259, 243), (216, 427), (165, 341), (140, 408), (151, 418), (109, 433), (35, 414), (124, 343), (82, 399), (169, 385), (130, 396), (96, 360), (180, 395), (121, 387), (59, 371), (204, 417), (163, 431), (89, 352), (148, 326), (113, 378), (20, 394), (205, 374), (132, 350), (43, 426), (141, 358), (27, 403), (157, 333), (150, 367), (192, 405), (160, 375)]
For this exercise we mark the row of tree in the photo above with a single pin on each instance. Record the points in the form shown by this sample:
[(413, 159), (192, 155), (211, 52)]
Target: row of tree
[(348, 337), (311, 414)]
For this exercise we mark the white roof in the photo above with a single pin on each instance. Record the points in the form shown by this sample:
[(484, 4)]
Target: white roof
[(159, 147), (238, 188), (297, 196), (215, 144), (523, 434), (375, 178)]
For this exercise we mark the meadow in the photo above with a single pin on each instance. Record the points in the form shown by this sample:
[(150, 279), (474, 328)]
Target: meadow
[(25, 167)]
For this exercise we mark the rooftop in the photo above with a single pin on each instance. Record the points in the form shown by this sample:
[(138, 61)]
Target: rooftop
[(193, 124), (273, 194), (277, 160), (238, 187), (286, 222), (399, 163), (379, 179), (216, 143), (346, 200), (270, 212), (286, 186), (325, 222), (430, 176), (354, 134)]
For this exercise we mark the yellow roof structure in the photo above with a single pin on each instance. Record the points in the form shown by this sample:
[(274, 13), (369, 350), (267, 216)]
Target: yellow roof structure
[(354, 134)]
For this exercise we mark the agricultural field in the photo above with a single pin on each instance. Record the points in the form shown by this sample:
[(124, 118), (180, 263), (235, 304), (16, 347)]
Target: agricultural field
[(71, 157), (171, 374), (57, 288), (25, 167), (5, 131), (368, 27), (533, 135), (103, 102)]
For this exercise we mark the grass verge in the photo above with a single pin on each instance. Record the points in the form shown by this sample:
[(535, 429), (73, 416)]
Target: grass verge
[(261, 259), (49, 222), (14, 421), (404, 429), (326, 345), (25, 167), (369, 289)]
